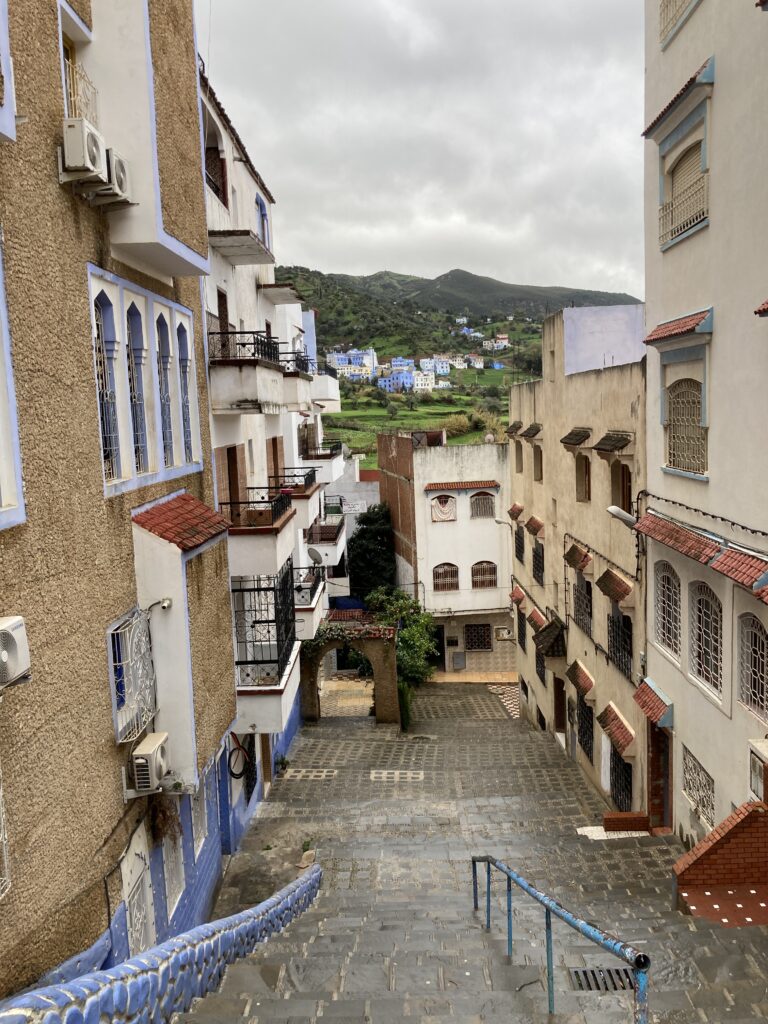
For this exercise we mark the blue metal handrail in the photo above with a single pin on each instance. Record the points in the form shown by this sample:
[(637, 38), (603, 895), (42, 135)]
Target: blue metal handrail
[(639, 962)]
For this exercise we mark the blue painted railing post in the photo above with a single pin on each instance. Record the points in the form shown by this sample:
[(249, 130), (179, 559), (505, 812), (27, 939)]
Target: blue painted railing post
[(488, 895), (509, 916), (550, 966), (641, 997), (474, 885)]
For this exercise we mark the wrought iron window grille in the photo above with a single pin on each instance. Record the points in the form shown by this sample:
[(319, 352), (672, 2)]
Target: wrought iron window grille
[(621, 781), (582, 604), (753, 665), (706, 640), (620, 643), (265, 626), (585, 717), (522, 627), (667, 607), (699, 787), (133, 676), (538, 563)]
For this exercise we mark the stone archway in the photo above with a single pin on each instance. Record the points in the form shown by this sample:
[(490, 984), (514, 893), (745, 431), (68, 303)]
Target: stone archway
[(376, 643)]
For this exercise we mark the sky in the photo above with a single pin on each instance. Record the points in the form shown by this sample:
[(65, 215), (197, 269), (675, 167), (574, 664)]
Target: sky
[(501, 137)]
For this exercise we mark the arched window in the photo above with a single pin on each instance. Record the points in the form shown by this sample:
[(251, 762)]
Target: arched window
[(135, 357), (186, 418), (445, 577), (443, 508), (753, 664), (667, 607), (104, 349), (482, 505), (483, 575), (706, 615), (164, 385), (686, 437)]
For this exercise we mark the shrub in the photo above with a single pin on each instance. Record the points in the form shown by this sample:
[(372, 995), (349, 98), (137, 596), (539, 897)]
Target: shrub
[(456, 425)]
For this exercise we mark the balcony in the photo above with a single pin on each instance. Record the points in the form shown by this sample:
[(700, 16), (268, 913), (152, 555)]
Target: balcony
[(328, 459), (329, 536), (684, 211), (240, 247), (259, 542), (297, 387), (325, 389), (246, 375), (265, 628), (298, 481), (620, 643), (308, 603), (260, 509)]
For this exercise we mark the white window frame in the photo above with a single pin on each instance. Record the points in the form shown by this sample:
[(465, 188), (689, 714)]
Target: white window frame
[(12, 509), (199, 809), (667, 608), (753, 665)]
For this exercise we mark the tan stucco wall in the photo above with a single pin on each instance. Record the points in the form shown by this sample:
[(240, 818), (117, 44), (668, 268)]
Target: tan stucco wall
[(177, 113), (81, 7), (69, 569), (210, 624)]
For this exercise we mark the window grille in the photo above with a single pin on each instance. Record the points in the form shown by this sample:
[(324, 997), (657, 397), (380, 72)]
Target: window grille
[(520, 544), (105, 385), (173, 867), (164, 385), (135, 353), (699, 787), (265, 626), (538, 562), (706, 636), (541, 667), (586, 728), (199, 816), (445, 577), (477, 637), (756, 775), (670, 12), (753, 664), (686, 437), (81, 95), (443, 509), (482, 505), (620, 643), (522, 627), (483, 575), (582, 604), (133, 676), (667, 607), (139, 922), (186, 417), (5, 872), (621, 781)]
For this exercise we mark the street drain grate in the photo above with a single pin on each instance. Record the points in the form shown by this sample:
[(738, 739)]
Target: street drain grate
[(309, 774), (602, 979), (393, 775)]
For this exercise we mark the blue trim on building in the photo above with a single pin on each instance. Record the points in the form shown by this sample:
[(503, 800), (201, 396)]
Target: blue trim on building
[(91, 959), (118, 930), (8, 108), (683, 355), (16, 513)]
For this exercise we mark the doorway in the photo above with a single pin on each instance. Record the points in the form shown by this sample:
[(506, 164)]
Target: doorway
[(659, 777), (561, 711), (437, 660), (233, 476)]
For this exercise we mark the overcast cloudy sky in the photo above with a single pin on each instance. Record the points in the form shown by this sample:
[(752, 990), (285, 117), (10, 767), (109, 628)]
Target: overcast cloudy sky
[(499, 136)]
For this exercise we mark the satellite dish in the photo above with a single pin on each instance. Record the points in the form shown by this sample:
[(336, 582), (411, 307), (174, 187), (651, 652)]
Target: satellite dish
[(489, 438), (315, 556)]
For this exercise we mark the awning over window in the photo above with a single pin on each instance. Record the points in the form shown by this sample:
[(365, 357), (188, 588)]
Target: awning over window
[(575, 437), (518, 597), (580, 678), (762, 310), (693, 323), (513, 428), (740, 567), (577, 557), (698, 82), (534, 526), (516, 511), (698, 546), (184, 521), (533, 431), (616, 727), (537, 620), (614, 586), (613, 441), (463, 485), (654, 704), (550, 641)]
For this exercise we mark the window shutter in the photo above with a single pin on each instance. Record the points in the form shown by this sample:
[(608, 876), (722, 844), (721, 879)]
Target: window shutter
[(687, 170)]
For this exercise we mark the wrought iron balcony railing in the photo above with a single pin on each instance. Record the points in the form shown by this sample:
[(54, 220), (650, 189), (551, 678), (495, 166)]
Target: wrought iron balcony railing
[(683, 212), (306, 583), (215, 187), (294, 479), (82, 97), (326, 531), (321, 451), (297, 362), (265, 627), (261, 508), (327, 371), (242, 345), (620, 644)]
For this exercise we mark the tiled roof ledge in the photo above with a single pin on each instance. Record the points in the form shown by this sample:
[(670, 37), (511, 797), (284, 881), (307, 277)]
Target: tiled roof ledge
[(734, 852), (698, 86)]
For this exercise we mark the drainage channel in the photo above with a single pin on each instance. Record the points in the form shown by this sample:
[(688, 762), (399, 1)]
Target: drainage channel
[(602, 979)]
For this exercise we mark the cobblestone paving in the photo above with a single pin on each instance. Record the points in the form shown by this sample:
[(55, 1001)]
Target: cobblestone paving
[(393, 936), (346, 697)]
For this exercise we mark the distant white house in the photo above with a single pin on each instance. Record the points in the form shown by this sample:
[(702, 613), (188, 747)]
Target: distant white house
[(443, 385), (461, 320), (458, 362), (427, 365), (442, 366), (423, 381)]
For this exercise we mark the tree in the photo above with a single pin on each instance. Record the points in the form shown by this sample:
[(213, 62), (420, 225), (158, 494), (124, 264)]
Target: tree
[(410, 401), (415, 636), (392, 411), (371, 552)]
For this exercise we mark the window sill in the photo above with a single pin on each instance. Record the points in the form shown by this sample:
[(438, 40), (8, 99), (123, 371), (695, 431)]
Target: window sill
[(135, 483), (686, 234), (701, 478), (12, 515), (715, 699), (667, 655)]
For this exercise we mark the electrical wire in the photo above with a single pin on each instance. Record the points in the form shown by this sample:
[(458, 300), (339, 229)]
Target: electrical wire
[(700, 511)]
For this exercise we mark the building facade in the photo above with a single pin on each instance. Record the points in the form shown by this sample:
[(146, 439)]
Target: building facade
[(576, 449), (450, 552), (701, 521)]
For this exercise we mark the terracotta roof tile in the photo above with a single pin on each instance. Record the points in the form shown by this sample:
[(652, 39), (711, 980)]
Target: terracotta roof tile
[(534, 526), (740, 566), (734, 819), (681, 94), (577, 557), (533, 431), (518, 596), (550, 641), (184, 521), (688, 542), (463, 485), (613, 441), (762, 310), (350, 615), (537, 620), (575, 437), (653, 706), (677, 328), (580, 678), (516, 511), (616, 727), (614, 586)]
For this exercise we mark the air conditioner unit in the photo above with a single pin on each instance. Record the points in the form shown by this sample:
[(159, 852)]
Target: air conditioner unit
[(14, 650), (150, 762), (118, 185), (85, 155)]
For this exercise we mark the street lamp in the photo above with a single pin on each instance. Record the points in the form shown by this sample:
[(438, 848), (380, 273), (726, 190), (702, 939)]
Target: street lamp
[(626, 518)]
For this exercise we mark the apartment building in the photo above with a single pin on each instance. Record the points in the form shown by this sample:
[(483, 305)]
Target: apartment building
[(273, 468), (113, 730), (451, 553), (577, 448), (702, 518)]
